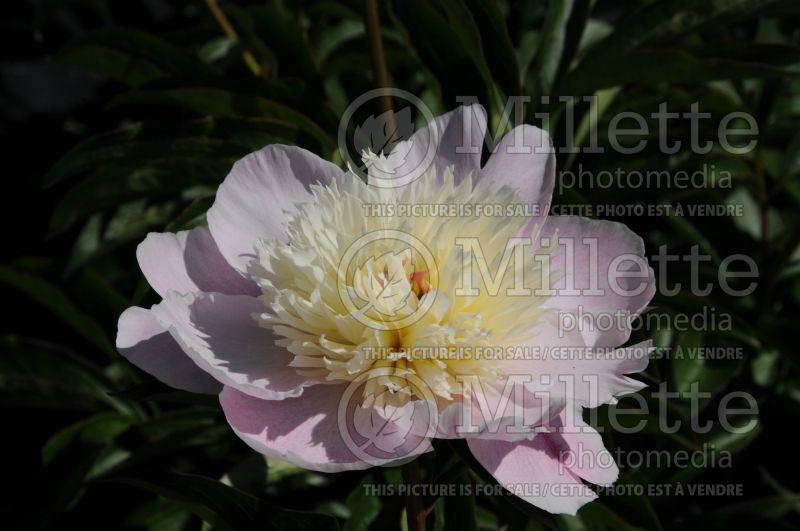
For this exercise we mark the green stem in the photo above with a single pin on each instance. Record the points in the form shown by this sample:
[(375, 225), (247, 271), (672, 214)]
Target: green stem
[(380, 73), (230, 32)]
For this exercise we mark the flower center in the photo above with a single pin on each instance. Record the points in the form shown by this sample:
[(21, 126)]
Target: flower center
[(350, 292)]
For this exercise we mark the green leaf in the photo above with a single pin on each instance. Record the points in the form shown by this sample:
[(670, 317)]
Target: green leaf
[(715, 444), (221, 505), (466, 30), (773, 507), (277, 470), (692, 235), (497, 45), (284, 35), (363, 507), (251, 39), (216, 49), (215, 102), (765, 367), (598, 516), (335, 37), (552, 42), (96, 430), (153, 390), (167, 438), (89, 152), (192, 216), (112, 63), (653, 67), (141, 56), (130, 222), (574, 34), (54, 299), (119, 183), (108, 149), (160, 515), (250, 475), (662, 20), (687, 367), (723, 440), (40, 375), (448, 43), (485, 519), (750, 220)]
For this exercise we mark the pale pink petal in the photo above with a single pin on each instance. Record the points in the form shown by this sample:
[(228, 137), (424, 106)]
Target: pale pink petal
[(502, 409), (147, 344), (306, 431), (566, 367), (533, 470), (533, 391), (189, 261), (525, 160), (604, 276), (602, 379), (588, 457), (253, 201), (219, 333)]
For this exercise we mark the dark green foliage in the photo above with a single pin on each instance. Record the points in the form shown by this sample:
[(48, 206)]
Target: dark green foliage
[(146, 106)]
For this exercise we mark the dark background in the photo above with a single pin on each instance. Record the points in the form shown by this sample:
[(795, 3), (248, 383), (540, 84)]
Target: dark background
[(120, 118)]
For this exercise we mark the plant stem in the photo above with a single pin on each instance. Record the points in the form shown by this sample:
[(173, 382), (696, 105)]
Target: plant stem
[(230, 32), (379, 71), (415, 509)]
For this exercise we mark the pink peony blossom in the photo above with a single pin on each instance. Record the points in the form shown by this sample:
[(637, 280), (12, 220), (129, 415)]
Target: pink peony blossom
[(256, 308)]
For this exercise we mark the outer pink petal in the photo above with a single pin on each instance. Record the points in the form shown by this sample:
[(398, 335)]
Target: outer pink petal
[(496, 410), (220, 335), (610, 241), (569, 369), (189, 261), (588, 457), (305, 430), (587, 377), (457, 138), (148, 345), (254, 199), (525, 160), (532, 470)]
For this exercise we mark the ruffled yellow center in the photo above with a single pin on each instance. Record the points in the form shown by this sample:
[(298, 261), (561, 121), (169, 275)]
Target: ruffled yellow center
[(359, 285)]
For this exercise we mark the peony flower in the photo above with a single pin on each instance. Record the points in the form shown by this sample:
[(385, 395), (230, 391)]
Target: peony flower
[(309, 300)]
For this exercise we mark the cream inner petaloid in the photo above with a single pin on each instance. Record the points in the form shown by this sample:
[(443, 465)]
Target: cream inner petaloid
[(405, 307)]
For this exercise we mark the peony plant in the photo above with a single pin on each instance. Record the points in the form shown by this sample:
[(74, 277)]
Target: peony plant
[(340, 333)]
